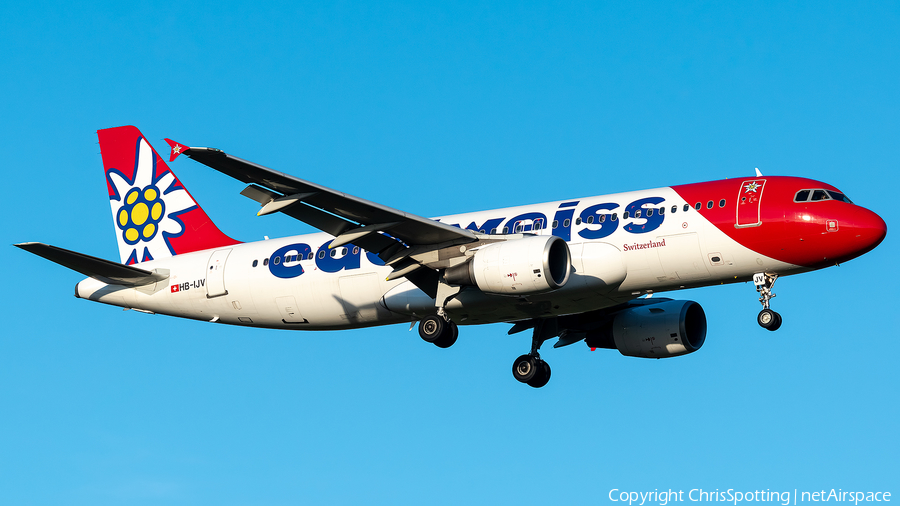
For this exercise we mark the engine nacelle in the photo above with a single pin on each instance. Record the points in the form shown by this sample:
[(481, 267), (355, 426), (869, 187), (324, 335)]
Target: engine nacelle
[(523, 266), (666, 329)]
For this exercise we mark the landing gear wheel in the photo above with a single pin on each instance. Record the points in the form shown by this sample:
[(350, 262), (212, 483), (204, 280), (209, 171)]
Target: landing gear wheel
[(531, 370), (542, 377), (778, 323), (525, 368), (451, 332), (431, 328), (768, 319), (438, 331)]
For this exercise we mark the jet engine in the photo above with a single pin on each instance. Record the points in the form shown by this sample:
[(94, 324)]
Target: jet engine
[(525, 266), (665, 329)]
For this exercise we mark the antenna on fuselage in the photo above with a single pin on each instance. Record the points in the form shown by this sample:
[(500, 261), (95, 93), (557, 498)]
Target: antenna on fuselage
[(758, 173)]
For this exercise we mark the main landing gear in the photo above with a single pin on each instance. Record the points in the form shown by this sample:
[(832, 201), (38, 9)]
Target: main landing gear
[(531, 369), (767, 318), (438, 331)]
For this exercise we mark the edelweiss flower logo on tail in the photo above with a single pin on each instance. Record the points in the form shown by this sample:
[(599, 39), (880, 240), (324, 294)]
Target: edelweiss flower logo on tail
[(146, 207)]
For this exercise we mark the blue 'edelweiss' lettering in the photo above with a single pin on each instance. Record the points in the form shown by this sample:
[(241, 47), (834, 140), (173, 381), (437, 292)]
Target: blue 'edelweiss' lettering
[(598, 223), (595, 220), (285, 261), (652, 220)]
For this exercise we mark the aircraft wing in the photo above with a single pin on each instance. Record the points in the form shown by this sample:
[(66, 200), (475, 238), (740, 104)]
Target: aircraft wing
[(348, 218), (111, 273)]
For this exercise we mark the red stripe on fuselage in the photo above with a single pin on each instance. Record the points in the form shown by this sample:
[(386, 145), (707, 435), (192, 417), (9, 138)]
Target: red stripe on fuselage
[(811, 234)]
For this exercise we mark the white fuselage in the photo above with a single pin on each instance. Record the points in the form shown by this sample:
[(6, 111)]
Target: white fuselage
[(260, 284)]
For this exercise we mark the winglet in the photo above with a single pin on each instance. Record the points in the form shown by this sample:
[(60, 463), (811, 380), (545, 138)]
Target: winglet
[(177, 149), (758, 173)]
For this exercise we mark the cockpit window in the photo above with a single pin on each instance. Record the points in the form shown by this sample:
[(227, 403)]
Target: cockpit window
[(818, 195), (839, 196)]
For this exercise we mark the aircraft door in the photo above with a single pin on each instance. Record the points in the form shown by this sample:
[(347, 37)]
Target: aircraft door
[(215, 274), (748, 201)]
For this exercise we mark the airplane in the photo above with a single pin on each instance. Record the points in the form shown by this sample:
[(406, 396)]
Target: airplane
[(578, 270)]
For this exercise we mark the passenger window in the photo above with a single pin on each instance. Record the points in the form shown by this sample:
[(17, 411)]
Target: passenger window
[(505, 230), (590, 220), (650, 212), (265, 262), (637, 214), (801, 196), (566, 223), (686, 207), (820, 195), (276, 260), (722, 203), (602, 218), (578, 221), (321, 254), (309, 256), (662, 210), (481, 231), (356, 250), (615, 216), (709, 204), (698, 205), (674, 209), (625, 215), (554, 224), (255, 263), (493, 231)]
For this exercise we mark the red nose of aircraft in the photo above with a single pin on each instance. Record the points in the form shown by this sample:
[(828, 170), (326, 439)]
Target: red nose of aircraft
[(859, 230), (870, 229)]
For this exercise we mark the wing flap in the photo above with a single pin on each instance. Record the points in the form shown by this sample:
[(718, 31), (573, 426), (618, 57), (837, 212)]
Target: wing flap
[(109, 272)]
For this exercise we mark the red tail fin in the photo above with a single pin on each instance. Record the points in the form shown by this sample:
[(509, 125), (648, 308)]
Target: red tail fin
[(153, 214)]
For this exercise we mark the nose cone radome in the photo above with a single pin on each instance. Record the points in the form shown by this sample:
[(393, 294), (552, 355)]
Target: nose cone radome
[(862, 230), (870, 230)]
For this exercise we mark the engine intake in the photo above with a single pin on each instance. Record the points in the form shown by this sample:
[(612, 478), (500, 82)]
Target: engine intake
[(529, 265)]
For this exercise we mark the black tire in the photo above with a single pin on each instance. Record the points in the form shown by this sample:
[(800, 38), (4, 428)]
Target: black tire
[(777, 325), (525, 368), (451, 332), (431, 328), (768, 319), (542, 377)]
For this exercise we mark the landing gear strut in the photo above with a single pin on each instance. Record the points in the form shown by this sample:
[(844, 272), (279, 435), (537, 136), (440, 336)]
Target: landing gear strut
[(438, 331), (767, 318), (531, 369)]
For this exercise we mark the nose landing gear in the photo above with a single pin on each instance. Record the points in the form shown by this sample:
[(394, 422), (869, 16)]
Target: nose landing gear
[(767, 318)]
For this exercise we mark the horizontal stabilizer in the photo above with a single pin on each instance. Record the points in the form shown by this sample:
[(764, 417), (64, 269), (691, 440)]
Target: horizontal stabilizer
[(111, 273)]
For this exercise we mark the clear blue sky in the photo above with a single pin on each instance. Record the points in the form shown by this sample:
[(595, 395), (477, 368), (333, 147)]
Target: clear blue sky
[(436, 109)]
